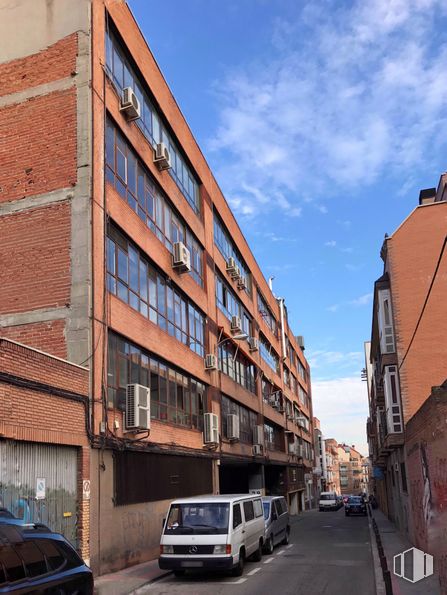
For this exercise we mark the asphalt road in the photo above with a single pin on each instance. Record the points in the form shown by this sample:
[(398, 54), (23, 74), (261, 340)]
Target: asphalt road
[(328, 554)]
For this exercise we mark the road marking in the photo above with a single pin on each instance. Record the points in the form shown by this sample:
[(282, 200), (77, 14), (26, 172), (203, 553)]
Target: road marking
[(281, 552), (268, 560), (289, 546), (254, 571), (238, 582), (327, 526)]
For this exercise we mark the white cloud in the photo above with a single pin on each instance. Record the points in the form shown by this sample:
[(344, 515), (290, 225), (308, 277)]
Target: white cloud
[(322, 359), (351, 92), (333, 308), (331, 243), (349, 395), (363, 300)]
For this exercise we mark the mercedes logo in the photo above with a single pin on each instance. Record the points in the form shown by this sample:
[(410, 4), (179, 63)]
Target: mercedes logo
[(193, 549)]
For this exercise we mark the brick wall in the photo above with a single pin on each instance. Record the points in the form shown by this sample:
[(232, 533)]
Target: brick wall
[(47, 336), (426, 449)]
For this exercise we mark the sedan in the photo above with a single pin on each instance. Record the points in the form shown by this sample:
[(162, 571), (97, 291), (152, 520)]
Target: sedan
[(355, 505)]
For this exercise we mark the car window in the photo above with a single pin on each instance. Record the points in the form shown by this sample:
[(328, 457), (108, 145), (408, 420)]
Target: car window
[(72, 558), (237, 515), (249, 513), (277, 507), (257, 505), (12, 564), (55, 558), (32, 557)]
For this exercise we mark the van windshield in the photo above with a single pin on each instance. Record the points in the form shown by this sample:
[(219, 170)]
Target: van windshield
[(327, 497), (198, 519)]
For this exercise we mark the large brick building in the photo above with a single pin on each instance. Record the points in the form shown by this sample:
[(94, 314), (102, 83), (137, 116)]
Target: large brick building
[(101, 216)]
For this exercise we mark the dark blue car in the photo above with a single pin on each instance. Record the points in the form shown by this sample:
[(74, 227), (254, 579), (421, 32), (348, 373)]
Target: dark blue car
[(33, 559)]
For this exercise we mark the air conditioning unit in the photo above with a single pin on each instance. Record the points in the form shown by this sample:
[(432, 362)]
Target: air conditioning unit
[(242, 283), (181, 258), (236, 273), (293, 448), (257, 450), (236, 324), (253, 343), (129, 104), (210, 361), (162, 157), (138, 403), (233, 427), (211, 428), (301, 421), (231, 265), (258, 434), (274, 401)]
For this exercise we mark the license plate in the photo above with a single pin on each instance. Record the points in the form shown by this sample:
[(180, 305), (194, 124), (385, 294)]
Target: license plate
[(192, 564)]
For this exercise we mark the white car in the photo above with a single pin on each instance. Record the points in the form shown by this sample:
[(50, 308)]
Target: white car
[(212, 532)]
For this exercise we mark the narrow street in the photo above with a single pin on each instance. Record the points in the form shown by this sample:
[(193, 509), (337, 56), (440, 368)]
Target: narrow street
[(328, 554)]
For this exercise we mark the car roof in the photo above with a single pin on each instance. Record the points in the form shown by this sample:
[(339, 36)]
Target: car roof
[(271, 498), (16, 530), (209, 498)]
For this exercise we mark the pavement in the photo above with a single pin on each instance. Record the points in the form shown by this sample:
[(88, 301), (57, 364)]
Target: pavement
[(128, 580), (395, 543)]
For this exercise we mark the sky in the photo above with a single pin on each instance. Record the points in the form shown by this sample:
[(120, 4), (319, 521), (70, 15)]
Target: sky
[(321, 122)]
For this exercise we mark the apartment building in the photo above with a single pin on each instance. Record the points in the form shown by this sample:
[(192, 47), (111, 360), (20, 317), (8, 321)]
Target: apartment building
[(124, 257), (353, 470), (332, 466), (407, 354)]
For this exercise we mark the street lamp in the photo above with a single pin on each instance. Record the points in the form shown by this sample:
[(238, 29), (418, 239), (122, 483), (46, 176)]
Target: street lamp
[(239, 337)]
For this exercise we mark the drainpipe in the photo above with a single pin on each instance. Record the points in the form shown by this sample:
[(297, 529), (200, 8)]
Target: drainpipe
[(283, 334)]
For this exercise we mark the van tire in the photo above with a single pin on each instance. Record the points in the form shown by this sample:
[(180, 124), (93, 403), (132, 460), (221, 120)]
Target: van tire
[(285, 541), (239, 569), (268, 547), (257, 556)]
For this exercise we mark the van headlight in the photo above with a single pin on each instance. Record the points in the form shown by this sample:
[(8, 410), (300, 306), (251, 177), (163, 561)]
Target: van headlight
[(222, 549), (167, 549)]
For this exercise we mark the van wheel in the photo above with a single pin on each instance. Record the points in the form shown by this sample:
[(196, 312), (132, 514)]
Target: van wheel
[(179, 573), (257, 556), (285, 541), (239, 569), (268, 548)]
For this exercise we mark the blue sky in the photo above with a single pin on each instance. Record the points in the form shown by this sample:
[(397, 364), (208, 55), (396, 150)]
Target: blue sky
[(321, 121)]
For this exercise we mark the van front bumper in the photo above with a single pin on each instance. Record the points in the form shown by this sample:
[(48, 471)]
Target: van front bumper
[(196, 563)]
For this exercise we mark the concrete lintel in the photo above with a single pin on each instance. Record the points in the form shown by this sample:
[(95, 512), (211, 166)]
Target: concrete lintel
[(38, 200), (33, 316), (20, 96)]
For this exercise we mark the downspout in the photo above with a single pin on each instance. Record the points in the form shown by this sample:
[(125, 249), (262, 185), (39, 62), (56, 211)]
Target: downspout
[(283, 334)]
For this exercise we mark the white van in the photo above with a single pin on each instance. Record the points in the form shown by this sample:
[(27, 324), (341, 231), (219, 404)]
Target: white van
[(212, 532), (328, 501)]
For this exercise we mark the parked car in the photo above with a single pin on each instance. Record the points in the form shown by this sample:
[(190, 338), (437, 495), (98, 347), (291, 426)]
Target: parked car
[(212, 532), (33, 559), (346, 498), (355, 505), (277, 526), (329, 501)]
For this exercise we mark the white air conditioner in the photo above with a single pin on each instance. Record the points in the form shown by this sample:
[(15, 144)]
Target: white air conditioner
[(181, 258), (257, 450), (302, 422), (242, 283), (258, 434), (211, 428), (230, 265), (162, 157), (236, 324), (129, 104), (210, 361), (138, 402), (274, 401), (293, 448), (253, 343), (236, 273), (233, 426)]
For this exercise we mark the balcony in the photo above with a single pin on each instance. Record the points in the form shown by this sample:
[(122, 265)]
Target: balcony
[(388, 441)]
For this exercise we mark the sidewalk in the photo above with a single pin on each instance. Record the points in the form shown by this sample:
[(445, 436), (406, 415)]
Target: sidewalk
[(128, 580), (394, 543)]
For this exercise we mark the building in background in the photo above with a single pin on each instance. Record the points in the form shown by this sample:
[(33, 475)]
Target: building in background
[(407, 356), (121, 255), (332, 466), (352, 470)]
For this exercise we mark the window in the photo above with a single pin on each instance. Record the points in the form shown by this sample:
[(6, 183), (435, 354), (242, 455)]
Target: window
[(12, 564), (304, 399), (301, 370), (237, 515), (247, 419), (135, 281), (229, 305), (137, 187), (32, 557), (176, 398), (257, 506), (392, 400), (54, 557), (385, 319), (268, 354), (249, 513), (403, 475), (273, 437), (237, 366), (286, 376), (226, 247), (122, 75), (266, 313)]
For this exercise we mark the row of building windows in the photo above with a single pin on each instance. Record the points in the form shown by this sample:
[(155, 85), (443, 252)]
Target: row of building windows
[(175, 397), (127, 173), (134, 280), (247, 419), (150, 122), (266, 314), (229, 304), (227, 248), (268, 354), (237, 366)]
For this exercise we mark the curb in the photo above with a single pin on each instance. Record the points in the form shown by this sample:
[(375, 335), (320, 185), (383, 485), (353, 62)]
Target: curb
[(153, 580), (378, 577)]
